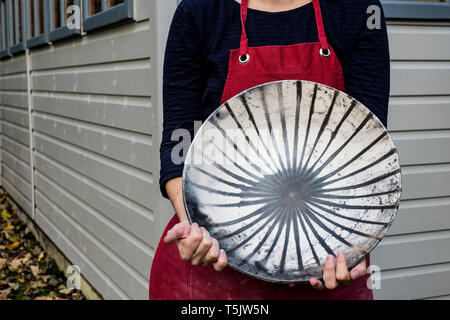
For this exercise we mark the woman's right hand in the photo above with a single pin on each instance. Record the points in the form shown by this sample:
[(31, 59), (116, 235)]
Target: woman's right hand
[(196, 245)]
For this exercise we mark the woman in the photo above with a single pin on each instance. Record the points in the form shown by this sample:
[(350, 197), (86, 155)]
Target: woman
[(218, 48)]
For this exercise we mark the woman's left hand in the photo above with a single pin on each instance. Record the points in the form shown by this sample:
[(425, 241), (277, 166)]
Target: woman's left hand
[(337, 273)]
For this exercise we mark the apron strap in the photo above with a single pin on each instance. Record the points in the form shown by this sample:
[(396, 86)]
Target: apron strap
[(320, 27), (244, 40), (319, 22)]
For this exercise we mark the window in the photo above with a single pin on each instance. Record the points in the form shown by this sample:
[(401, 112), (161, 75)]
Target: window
[(57, 19), (30, 23), (99, 13), (417, 9), (18, 25), (37, 22), (4, 30)]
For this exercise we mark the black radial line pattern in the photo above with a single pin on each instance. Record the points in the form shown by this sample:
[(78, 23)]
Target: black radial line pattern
[(333, 213), (236, 147), (321, 130), (308, 128), (298, 249), (352, 160), (363, 234), (279, 219), (283, 124), (244, 102), (286, 241), (250, 183), (328, 230), (364, 184), (333, 135), (353, 173), (264, 239), (273, 140), (277, 236), (305, 231), (274, 171), (235, 164), (296, 125), (253, 234), (321, 240), (339, 150)]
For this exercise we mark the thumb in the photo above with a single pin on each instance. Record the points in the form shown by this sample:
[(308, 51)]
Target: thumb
[(179, 231)]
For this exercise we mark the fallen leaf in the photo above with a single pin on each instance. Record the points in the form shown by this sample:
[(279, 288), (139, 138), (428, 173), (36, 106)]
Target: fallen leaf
[(35, 270), (2, 263), (5, 293), (12, 246), (41, 256), (47, 298), (66, 291), (5, 214), (13, 286), (8, 228)]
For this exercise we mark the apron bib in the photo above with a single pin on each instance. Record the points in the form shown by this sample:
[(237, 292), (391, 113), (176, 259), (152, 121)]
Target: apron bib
[(172, 278)]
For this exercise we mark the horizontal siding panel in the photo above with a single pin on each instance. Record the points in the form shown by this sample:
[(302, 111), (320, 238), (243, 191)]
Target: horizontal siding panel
[(22, 185), (20, 168), (426, 181), (19, 150), (430, 113), (419, 42), (132, 284), (130, 113), (13, 66), (421, 216), (420, 78), (18, 99), (129, 215), (96, 277), (16, 116), (130, 78), (434, 147), (130, 42), (14, 82), (446, 297), (415, 283), (16, 133), (412, 250), (17, 195), (131, 148), (131, 183), (122, 243)]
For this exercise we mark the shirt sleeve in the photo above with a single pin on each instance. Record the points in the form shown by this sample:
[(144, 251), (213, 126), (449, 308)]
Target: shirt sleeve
[(368, 72), (182, 89)]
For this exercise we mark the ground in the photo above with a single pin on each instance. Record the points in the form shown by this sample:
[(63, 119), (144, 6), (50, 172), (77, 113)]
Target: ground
[(26, 271)]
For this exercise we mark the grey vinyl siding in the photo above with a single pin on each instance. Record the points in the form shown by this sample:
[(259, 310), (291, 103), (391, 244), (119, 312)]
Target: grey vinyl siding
[(415, 258), (15, 152), (96, 109), (95, 156)]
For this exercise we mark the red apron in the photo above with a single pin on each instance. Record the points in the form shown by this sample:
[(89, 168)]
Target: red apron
[(172, 278)]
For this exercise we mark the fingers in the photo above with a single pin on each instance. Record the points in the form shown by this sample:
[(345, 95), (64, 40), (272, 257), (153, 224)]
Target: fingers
[(188, 246), (329, 275), (342, 273), (359, 270), (316, 284), (203, 248), (221, 262), (196, 245), (213, 254), (179, 231)]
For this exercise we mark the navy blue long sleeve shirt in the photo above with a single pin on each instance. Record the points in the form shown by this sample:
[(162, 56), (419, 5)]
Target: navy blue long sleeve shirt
[(203, 32)]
